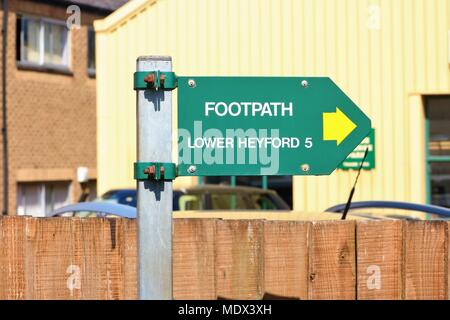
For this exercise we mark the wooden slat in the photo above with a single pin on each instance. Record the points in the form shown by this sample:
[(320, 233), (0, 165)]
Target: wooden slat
[(50, 245), (193, 259), (12, 258), (94, 280), (129, 254), (30, 236), (379, 252), (425, 260), (239, 259), (114, 261), (286, 259), (76, 271), (332, 260)]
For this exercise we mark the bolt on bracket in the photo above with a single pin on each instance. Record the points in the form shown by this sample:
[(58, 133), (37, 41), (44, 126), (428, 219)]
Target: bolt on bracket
[(155, 80), (144, 171)]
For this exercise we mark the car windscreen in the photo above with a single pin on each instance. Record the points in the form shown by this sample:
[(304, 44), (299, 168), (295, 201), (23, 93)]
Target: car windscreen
[(125, 197), (109, 195)]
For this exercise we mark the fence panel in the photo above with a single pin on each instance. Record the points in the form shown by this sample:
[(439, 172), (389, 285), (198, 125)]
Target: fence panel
[(61, 258)]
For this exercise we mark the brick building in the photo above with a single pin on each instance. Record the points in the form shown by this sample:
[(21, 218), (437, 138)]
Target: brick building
[(50, 104)]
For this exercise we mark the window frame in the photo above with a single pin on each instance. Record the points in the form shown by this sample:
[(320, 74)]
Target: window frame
[(45, 188), (92, 72), (429, 159), (42, 65)]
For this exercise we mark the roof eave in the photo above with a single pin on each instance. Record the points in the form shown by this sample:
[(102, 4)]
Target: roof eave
[(120, 15), (82, 6)]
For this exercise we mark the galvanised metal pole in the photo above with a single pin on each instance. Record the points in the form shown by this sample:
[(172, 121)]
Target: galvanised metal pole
[(154, 205)]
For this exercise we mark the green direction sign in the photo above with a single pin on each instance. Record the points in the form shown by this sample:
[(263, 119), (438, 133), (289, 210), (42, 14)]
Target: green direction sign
[(354, 159), (265, 126)]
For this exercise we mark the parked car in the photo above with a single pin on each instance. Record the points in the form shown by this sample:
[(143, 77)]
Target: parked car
[(95, 209), (393, 210), (222, 197), (209, 197), (203, 198)]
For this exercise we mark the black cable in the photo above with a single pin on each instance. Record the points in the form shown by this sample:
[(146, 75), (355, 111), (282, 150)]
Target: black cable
[(4, 118), (349, 201)]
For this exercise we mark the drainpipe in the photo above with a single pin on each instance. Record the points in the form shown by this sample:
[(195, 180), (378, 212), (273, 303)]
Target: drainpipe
[(4, 131)]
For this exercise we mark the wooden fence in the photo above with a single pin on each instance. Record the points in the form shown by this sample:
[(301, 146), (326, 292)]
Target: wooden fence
[(63, 258)]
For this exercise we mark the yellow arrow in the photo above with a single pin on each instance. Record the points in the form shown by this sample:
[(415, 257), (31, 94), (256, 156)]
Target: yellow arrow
[(337, 126)]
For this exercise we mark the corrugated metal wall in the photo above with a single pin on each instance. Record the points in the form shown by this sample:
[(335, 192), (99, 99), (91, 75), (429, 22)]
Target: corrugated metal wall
[(383, 54)]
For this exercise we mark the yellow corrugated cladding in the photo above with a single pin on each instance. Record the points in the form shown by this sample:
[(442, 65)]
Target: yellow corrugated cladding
[(385, 54)]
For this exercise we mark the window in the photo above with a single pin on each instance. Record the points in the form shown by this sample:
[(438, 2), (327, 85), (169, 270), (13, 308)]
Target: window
[(228, 201), (43, 43), (189, 202), (263, 202), (438, 149), (39, 199), (91, 52)]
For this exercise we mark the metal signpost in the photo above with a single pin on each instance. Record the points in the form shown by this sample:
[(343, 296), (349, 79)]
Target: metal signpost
[(228, 126), (154, 187)]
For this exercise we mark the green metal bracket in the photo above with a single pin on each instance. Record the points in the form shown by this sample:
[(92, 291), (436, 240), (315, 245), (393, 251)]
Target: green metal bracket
[(144, 171), (155, 80)]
